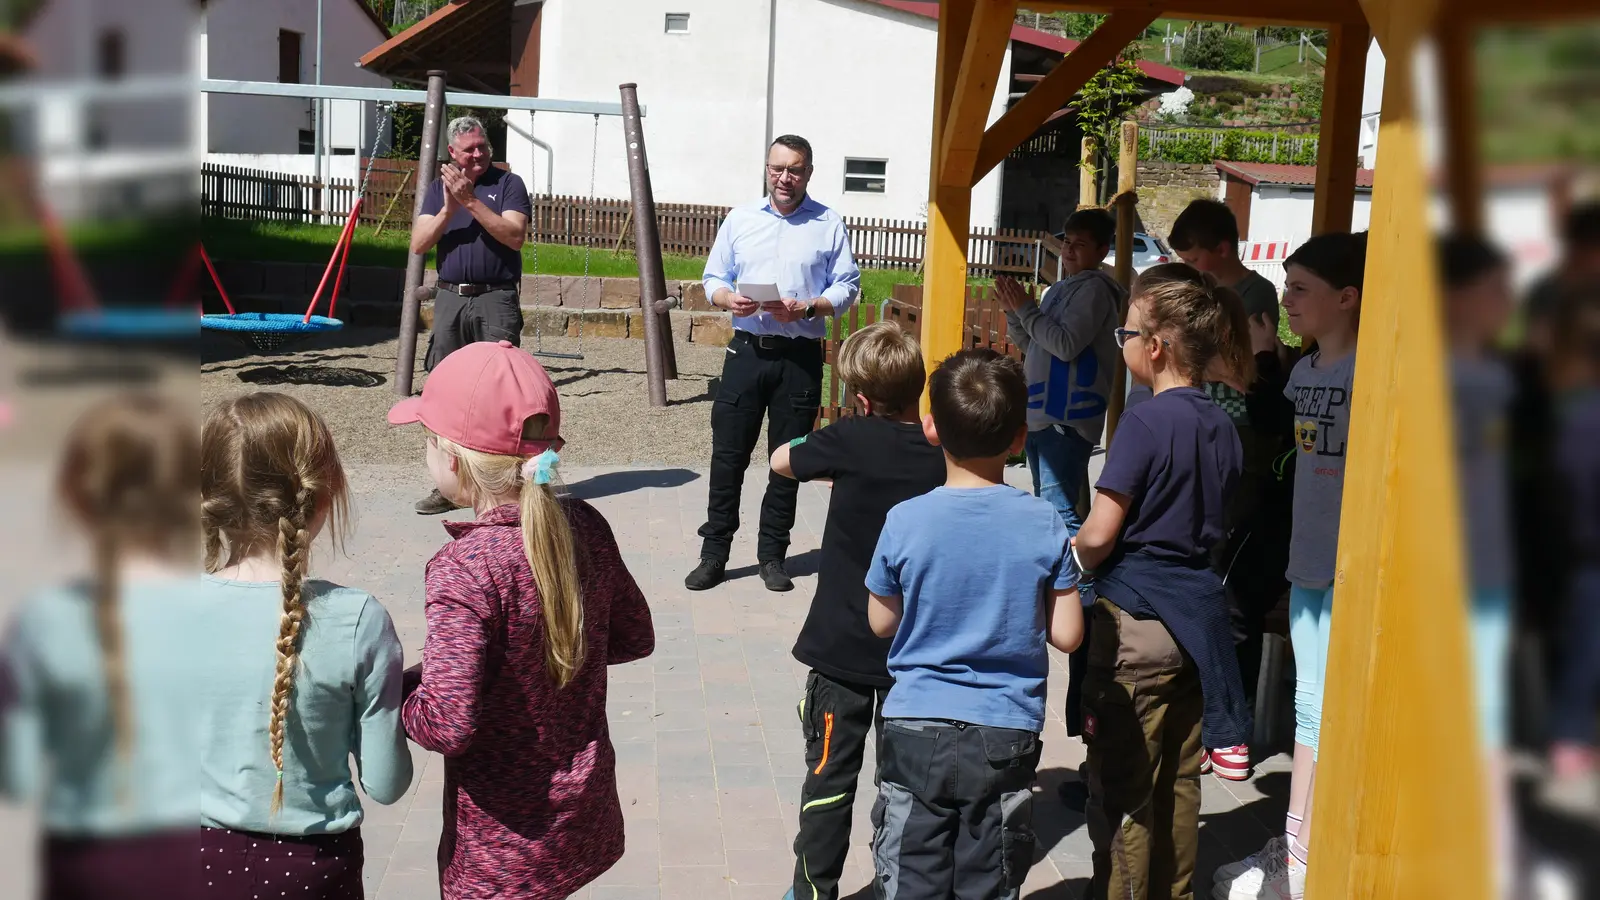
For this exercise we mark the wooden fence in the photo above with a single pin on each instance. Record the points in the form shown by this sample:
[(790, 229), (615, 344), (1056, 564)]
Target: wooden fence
[(686, 229), (985, 327)]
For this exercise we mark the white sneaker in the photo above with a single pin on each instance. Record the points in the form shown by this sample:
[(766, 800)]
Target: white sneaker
[(1276, 847), (1277, 878)]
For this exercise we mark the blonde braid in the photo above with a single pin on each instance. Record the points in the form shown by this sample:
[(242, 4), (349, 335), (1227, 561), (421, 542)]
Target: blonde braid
[(293, 548), (112, 654)]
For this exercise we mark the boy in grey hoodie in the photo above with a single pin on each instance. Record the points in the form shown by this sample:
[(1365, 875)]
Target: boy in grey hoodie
[(1069, 344)]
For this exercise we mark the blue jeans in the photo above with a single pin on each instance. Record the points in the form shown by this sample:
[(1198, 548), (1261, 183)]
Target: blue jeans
[(1579, 689), (1058, 458), (1310, 623)]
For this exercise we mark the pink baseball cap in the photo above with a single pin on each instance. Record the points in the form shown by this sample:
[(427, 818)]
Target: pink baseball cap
[(480, 396)]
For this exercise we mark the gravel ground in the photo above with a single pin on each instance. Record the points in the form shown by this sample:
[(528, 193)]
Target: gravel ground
[(605, 405)]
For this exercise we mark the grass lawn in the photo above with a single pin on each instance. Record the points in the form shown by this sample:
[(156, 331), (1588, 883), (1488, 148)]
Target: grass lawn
[(289, 242)]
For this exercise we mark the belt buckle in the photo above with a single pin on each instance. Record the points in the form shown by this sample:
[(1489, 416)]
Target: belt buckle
[(766, 342)]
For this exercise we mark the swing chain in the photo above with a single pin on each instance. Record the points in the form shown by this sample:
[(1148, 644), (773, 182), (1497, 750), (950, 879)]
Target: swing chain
[(588, 244), (538, 320), (385, 108)]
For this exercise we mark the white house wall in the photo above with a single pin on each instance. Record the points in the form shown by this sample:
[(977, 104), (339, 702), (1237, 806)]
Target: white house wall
[(241, 42), (1279, 213), (854, 78), (704, 93)]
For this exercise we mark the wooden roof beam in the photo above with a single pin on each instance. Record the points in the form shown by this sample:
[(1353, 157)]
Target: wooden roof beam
[(1057, 89), (987, 38), (1251, 12)]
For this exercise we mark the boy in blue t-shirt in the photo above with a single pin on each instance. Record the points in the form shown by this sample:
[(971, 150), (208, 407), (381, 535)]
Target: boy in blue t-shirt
[(971, 580)]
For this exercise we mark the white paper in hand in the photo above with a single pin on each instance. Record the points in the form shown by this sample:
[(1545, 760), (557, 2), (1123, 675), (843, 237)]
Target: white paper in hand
[(765, 294)]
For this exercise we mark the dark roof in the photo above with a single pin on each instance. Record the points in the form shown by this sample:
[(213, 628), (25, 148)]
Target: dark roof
[(1045, 40), (469, 39), (1280, 174)]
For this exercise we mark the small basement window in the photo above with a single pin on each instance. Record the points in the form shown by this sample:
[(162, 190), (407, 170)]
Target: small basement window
[(677, 23), (865, 176)]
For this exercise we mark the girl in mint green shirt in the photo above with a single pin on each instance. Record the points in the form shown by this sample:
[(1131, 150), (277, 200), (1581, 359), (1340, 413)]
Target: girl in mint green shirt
[(96, 725), (302, 675)]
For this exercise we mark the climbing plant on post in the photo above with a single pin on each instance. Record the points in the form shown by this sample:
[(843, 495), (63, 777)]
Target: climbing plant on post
[(1102, 105)]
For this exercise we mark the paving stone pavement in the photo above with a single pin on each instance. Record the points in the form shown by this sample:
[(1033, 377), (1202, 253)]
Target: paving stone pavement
[(708, 742)]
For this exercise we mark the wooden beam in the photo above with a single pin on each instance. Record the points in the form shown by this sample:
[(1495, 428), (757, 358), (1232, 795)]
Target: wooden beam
[(944, 267), (1462, 148), (1244, 12), (1344, 78), (1057, 89), (1127, 200), (984, 50), (1393, 817)]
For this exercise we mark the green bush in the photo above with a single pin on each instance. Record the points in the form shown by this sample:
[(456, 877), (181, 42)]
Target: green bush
[(1194, 146), (1210, 48)]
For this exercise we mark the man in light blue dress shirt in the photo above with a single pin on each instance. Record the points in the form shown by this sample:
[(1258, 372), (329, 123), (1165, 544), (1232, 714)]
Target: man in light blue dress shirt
[(773, 368)]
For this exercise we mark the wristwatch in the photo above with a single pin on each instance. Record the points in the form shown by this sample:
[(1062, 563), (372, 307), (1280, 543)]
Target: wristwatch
[(811, 310)]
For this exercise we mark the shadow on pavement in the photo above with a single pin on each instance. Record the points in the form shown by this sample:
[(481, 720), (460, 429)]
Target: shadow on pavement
[(609, 484)]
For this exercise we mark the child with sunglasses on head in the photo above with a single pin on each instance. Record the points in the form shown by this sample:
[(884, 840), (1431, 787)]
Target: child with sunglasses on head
[(302, 674), (96, 677), (526, 607), (1162, 680)]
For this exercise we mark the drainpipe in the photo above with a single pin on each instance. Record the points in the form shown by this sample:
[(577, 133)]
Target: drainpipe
[(772, 65), (549, 157)]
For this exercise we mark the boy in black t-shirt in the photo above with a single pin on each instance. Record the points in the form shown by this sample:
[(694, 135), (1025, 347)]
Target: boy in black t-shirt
[(876, 459)]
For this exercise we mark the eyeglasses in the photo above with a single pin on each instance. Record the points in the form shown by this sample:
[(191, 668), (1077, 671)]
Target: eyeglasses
[(780, 171), (1124, 335)]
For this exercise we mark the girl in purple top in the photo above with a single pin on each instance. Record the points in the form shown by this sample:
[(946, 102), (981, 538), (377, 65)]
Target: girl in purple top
[(526, 607)]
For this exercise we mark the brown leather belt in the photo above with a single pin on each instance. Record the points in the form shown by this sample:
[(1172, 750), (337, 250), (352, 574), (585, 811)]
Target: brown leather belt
[(473, 290)]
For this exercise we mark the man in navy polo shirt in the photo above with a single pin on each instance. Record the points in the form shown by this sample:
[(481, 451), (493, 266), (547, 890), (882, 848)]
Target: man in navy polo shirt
[(477, 215)]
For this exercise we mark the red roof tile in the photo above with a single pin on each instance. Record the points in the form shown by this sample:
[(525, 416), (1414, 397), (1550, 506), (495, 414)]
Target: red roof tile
[(1278, 173)]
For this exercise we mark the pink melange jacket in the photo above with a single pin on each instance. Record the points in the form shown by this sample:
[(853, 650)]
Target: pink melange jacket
[(530, 787)]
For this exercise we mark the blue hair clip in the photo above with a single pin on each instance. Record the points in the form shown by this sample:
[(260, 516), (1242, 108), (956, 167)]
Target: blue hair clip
[(542, 468)]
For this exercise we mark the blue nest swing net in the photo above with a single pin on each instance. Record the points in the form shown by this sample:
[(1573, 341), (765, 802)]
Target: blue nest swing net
[(268, 331), (131, 323)]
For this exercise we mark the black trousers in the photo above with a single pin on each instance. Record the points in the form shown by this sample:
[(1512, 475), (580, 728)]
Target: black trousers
[(459, 321), (954, 816), (781, 383), (835, 718)]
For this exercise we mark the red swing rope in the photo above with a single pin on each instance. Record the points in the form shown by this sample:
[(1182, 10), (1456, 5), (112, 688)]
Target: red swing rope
[(340, 252)]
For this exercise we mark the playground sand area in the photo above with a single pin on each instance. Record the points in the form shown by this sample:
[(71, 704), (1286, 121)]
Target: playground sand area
[(606, 415)]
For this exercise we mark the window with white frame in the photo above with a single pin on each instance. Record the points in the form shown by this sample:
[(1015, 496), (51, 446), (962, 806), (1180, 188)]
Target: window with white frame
[(865, 176), (677, 23)]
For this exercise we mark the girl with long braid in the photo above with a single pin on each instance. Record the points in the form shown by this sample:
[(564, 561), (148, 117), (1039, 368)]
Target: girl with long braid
[(302, 674), (95, 723)]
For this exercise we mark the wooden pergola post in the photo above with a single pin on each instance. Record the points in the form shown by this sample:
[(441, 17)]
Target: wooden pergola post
[(1339, 143), (1399, 806), (1459, 84)]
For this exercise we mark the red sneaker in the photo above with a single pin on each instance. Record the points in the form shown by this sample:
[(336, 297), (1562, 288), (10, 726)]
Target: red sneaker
[(1205, 762), (1232, 763)]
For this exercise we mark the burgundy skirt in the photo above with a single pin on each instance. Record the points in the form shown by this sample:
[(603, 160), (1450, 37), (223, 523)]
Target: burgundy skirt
[(244, 865), (155, 866)]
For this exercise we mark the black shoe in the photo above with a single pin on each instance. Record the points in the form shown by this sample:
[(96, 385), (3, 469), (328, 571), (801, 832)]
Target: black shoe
[(774, 576), (705, 576), (434, 504)]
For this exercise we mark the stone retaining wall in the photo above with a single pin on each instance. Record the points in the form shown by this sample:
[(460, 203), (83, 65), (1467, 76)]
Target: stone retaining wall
[(1165, 188)]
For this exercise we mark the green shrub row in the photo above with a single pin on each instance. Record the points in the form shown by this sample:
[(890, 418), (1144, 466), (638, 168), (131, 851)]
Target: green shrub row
[(1196, 147)]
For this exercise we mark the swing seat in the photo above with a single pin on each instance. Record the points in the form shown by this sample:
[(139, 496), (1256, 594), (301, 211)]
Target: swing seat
[(551, 354), (267, 332), (130, 323)]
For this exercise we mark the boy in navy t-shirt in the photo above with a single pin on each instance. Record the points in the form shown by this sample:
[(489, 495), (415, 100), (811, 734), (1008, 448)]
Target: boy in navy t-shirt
[(971, 580), (876, 458)]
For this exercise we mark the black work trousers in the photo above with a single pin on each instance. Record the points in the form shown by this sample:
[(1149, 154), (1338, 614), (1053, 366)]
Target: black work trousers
[(776, 379), (835, 718), (954, 815)]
